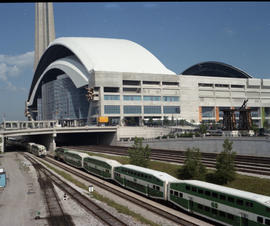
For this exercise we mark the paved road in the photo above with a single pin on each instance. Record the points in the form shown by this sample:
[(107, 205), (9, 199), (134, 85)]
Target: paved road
[(21, 198)]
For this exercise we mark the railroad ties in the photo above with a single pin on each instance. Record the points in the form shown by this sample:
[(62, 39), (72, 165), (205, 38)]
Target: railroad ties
[(86, 203), (57, 217)]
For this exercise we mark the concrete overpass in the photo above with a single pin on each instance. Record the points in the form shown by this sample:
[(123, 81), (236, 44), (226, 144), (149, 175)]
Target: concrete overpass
[(47, 129)]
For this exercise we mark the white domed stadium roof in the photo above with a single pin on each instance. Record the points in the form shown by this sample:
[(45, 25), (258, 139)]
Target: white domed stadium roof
[(118, 55)]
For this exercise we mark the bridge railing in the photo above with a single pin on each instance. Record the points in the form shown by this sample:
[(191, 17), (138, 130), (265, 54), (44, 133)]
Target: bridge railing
[(20, 125)]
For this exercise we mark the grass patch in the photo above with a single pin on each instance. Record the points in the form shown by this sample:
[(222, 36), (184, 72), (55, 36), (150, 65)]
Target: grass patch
[(241, 182), (96, 195), (251, 184), (67, 176), (123, 209)]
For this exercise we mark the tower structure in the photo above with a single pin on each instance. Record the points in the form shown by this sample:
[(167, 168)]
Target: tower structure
[(44, 28)]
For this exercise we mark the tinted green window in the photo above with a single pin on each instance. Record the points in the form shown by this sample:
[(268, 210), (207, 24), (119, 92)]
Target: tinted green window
[(214, 211), (222, 197), (111, 109), (194, 189), (222, 214), (132, 110), (132, 98), (230, 199), (200, 191), (171, 109), (207, 193), (111, 97), (170, 98), (260, 220), (239, 202), (214, 194), (267, 221), (187, 187), (151, 98), (152, 109)]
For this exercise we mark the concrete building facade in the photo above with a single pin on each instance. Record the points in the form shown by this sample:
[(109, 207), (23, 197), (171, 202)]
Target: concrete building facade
[(129, 83)]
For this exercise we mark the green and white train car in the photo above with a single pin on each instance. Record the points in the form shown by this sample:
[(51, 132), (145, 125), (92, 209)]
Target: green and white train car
[(74, 158), (59, 153), (37, 149), (224, 205), (148, 182), (100, 166)]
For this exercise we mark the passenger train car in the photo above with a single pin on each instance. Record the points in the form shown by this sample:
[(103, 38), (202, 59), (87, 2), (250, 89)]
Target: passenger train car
[(151, 183), (74, 158), (223, 205), (37, 149), (100, 166)]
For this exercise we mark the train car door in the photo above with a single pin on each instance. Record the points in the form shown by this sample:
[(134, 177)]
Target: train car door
[(147, 190), (243, 219), (190, 204)]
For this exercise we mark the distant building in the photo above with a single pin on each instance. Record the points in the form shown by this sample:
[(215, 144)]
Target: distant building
[(131, 83)]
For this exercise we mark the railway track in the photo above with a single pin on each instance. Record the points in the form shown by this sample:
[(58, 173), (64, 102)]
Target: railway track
[(57, 217), (90, 206), (138, 201), (247, 164)]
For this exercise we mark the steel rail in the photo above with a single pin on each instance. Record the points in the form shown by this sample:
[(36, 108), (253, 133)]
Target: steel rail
[(125, 196), (103, 215)]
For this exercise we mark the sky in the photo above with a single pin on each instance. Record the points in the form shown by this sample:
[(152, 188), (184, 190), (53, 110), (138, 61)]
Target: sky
[(179, 34)]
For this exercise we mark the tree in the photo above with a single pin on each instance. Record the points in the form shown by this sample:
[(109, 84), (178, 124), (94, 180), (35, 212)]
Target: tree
[(165, 121), (193, 167), (225, 171), (203, 128), (139, 155)]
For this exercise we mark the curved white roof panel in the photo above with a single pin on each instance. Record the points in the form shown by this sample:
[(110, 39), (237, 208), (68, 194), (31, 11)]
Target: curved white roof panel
[(231, 191), (110, 162), (117, 55), (158, 174), (71, 67)]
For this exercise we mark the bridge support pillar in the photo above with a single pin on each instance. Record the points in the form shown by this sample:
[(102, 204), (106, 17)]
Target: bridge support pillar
[(2, 143), (49, 142)]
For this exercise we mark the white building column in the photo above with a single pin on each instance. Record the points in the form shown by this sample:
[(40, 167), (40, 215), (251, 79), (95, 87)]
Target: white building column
[(2, 143)]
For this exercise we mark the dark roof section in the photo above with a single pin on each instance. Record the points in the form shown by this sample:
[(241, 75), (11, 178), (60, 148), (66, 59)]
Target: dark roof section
[(51, 54), (216, 69)]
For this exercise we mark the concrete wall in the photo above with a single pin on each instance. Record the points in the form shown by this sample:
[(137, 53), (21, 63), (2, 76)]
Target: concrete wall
[(145, 132), (242, 146)]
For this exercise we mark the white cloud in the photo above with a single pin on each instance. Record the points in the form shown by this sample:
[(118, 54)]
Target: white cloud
[(13, 66)]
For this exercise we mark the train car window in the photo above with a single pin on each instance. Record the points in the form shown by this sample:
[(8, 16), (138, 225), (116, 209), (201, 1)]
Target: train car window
[(200, 191), (222, 197), (171, 192), (176, 193), (207, 193), (214, 194), (158, 188), (187, 187), (194, 189), (206, 208), (230, 216), (260, 220), (214, 211), (181, 195), (267, 221), (267, 209), (222, 214), (230, 199), (200, 206), (239, 202)]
